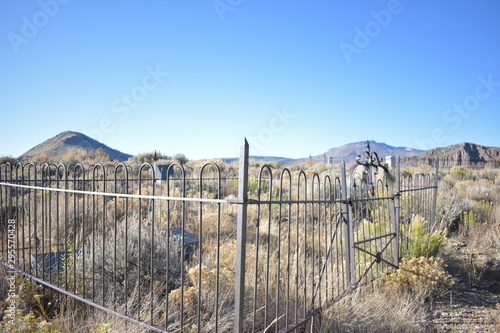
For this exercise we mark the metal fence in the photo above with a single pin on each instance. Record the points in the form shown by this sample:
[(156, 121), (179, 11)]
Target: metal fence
[(210, 251)]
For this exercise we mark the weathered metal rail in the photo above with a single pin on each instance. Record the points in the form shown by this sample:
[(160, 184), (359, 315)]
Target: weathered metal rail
[(211, 252)]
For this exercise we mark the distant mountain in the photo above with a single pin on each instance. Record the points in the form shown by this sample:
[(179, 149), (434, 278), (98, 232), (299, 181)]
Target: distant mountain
[(463, 154), (280, 160), (346, 152), (349, 152), (67, 141)]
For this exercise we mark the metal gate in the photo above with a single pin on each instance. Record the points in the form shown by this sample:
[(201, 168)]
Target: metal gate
[(373, 222)]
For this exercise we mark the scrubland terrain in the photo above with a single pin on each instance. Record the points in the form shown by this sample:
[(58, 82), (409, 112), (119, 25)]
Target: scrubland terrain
[(414, 299), (455, 287)]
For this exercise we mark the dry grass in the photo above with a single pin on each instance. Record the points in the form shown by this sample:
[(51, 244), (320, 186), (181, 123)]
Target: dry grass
[(381, 309), (481, 247), (396, 306)]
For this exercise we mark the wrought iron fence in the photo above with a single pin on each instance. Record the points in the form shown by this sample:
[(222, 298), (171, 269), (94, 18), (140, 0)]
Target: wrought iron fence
[(209, 251)]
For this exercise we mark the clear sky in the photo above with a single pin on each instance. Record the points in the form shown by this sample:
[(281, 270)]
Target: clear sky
[(294, 77)]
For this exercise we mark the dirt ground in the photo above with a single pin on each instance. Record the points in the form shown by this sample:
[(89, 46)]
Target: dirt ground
[(473, 303)]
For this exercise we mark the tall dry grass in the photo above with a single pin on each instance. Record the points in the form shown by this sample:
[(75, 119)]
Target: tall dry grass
[(374, 310), (381, 308)]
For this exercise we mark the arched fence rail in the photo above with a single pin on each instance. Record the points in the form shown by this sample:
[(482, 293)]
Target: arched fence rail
[(209, 250)]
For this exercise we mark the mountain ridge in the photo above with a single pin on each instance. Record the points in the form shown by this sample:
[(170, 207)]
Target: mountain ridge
[(349, 151), (462, 154)]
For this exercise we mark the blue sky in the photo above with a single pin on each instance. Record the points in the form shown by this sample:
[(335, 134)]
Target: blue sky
[(294, 77)]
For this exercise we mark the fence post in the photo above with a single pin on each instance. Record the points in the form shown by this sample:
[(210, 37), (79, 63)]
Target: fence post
[(395, 209), (434, 198), (239, 297), (348, 230)]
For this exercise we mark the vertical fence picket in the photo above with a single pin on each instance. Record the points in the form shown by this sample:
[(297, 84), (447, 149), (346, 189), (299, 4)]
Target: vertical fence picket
[(350, 268), (434, 197), (241, 238), (396, 211)]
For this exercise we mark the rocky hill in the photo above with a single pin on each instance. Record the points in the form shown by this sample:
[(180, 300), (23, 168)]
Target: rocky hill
[(67, 141), (463, 154)]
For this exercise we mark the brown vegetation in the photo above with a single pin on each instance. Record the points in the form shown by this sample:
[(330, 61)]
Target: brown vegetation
[(466, 244)]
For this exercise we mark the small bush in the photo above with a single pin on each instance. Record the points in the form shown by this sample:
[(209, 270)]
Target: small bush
[(8, 159), (180, 158), (474, 268), (421, 243), (495, 213), (479, 213), (461, 173), (489, 174), (449, 206), (424, 277)]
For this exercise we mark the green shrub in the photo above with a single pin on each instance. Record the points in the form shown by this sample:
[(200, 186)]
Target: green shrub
[(180, 158), (461, 173), (479, 213), (488, 174), (419, 242), (8, 159)]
